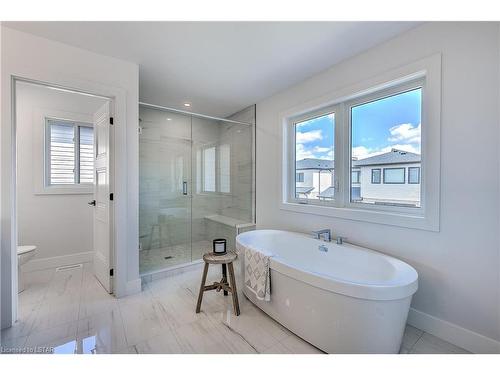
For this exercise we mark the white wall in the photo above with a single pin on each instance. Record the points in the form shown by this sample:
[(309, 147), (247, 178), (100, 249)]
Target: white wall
[(458, 266), (37, 58), (60, 225)]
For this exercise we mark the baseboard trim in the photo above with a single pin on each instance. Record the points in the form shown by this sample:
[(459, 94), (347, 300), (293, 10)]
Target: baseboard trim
[(58, 261), (459, 336)]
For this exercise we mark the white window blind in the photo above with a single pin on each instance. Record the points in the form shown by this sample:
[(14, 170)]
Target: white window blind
[(86, 155), (69, 153)]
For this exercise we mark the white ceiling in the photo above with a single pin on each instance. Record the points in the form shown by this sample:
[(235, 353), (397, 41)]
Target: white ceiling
[(220, 67)]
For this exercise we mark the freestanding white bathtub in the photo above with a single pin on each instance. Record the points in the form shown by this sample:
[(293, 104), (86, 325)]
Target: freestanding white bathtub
[(346, 300)]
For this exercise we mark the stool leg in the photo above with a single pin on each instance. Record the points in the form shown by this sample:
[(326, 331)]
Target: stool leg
[(234, 292), (224, 276), (202, 287)]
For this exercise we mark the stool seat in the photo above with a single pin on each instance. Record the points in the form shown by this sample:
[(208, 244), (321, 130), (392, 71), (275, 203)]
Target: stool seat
[(214, 258), (226, 260)]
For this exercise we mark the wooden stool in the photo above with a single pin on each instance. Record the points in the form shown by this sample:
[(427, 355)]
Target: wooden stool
[(226, 259)]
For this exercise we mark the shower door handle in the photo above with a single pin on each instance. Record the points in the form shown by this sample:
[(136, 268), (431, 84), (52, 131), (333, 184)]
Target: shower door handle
[(184, 188)]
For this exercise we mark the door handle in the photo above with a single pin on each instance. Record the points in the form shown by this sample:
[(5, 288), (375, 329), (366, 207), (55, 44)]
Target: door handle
[(184, 188), (92, 203)]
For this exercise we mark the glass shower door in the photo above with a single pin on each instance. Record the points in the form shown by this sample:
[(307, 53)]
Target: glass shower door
[(165, 189)]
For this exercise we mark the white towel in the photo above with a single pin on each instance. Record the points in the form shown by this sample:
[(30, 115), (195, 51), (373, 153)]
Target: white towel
[(258, 273)]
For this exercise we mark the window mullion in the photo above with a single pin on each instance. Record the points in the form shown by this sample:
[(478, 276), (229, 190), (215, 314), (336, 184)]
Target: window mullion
[(342, 137)]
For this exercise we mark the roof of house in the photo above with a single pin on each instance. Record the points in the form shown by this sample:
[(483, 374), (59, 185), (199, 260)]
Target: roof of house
[(314, 164), (327, 193), (303, 189), (394, 156)]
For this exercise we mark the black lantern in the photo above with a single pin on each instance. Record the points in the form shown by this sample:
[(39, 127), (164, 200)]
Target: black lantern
[(219, 246)]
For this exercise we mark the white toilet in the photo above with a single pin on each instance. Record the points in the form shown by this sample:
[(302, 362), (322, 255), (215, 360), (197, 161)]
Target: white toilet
[(24, 255)]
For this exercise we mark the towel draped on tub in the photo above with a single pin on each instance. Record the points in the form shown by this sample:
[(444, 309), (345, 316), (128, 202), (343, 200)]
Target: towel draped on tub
[(258, 273)]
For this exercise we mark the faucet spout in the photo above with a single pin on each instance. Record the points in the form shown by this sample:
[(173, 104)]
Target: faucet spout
[(324, 234)]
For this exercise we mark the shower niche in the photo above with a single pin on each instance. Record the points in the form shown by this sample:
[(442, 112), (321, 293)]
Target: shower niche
[(196, 183)]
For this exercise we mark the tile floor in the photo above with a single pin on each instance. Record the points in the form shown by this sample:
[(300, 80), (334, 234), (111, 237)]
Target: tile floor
[(70, 312)]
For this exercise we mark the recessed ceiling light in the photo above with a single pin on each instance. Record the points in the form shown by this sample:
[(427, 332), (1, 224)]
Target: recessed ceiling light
[(187, 104), (169, 119)]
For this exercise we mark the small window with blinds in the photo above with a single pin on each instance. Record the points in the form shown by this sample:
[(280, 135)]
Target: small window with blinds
[(69, 153)]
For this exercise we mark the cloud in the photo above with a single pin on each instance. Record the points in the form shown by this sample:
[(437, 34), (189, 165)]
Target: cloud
[(362, 152), (405, 133), (306, 137), (302, 153), (321, 150)]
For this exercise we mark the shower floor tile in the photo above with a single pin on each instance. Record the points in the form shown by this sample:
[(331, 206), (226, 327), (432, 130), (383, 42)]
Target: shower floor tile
[(159, 259)]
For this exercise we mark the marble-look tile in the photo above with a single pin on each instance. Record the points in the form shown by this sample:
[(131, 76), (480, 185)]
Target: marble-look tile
[(298, 346), (36, 283), (62, 338), (102, 333), (142, 316), (205, 337), (166, 342), (55, 311), (277, 348), (410, 337), (430, 344), (24, 324), (75, 314), (13, 345)]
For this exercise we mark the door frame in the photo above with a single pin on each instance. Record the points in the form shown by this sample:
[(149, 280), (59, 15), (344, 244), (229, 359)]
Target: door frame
[(117, 98)]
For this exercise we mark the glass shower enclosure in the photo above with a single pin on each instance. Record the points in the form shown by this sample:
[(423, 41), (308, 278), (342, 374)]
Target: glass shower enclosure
[(196, 183)]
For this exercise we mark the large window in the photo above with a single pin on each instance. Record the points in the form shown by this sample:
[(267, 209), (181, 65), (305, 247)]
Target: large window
[(314, 138), (69, 153), (385, 133), (361, 152)]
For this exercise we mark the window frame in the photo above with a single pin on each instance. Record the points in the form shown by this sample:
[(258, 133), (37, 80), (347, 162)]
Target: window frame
[(392, 169), (426, 217), (291, 136), (77, 125), (419, 179), (379, 176)]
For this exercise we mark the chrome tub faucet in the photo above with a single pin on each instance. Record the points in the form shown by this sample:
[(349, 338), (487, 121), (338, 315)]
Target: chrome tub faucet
[(322, 234)]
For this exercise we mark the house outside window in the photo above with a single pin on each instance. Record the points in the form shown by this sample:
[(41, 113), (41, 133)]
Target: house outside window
[(299, 177)]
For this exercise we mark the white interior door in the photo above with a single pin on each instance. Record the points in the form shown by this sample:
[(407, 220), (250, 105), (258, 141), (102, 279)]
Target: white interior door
[(102, 198)]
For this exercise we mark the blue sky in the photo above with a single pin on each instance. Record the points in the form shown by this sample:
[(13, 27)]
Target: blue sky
[(393, 122)]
